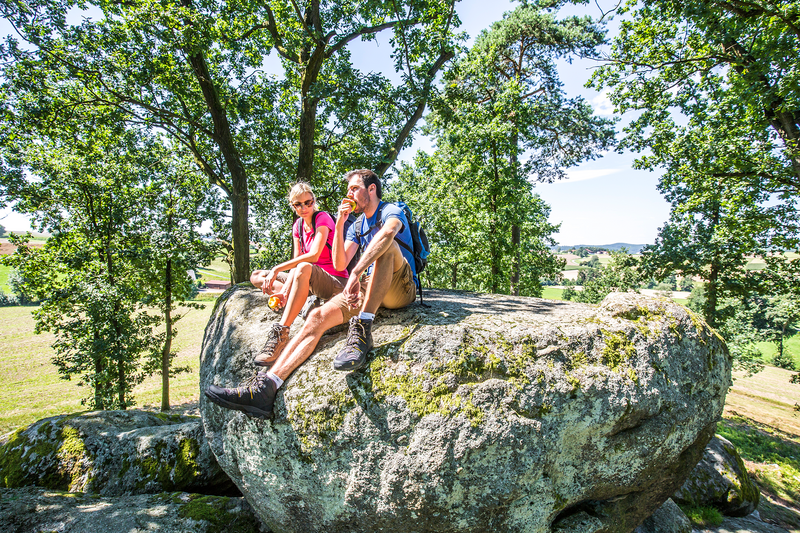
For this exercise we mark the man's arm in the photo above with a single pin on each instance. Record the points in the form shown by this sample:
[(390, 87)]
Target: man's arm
[(342, 251), (378, 246)]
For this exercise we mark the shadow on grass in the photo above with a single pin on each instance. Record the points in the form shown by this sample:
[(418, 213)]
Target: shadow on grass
[(772, 458)]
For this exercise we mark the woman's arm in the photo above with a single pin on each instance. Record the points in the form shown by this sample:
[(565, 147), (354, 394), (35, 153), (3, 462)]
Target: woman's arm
[(312, 256)]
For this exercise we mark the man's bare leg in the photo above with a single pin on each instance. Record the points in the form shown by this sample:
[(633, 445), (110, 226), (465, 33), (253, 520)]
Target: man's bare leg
[(302, 345), (256, 397)]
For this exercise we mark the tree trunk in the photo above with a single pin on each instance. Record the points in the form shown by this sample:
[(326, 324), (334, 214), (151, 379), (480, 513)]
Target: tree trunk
[(165, 352), (495, 253), (515, 245), (313, 59), (454, 276), (239, 188), (394, 151), (99, 382), (515, 228)]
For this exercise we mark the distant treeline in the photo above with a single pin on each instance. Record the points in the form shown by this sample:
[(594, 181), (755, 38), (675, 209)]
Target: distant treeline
[(582, 250)]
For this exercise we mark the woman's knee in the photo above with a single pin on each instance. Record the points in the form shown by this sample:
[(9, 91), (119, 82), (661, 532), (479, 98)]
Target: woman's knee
[(303, 270), (257, 277)]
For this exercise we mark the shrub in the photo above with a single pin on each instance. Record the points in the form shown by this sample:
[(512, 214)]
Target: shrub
[(783, 360), (7, 300)]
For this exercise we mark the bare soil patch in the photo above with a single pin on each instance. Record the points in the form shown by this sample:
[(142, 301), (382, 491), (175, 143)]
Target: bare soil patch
[(7, 248)]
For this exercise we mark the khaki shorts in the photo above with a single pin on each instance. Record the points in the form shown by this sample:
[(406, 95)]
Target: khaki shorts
[(322, 283), (402, 292)]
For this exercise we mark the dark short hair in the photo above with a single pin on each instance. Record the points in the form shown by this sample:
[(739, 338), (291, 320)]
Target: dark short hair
[(368, 178)]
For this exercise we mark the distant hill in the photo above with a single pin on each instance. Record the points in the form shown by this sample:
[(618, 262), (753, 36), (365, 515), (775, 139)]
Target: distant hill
[(632, 248)]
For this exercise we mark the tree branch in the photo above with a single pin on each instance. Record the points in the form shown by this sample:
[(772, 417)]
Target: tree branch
[(363, 31)]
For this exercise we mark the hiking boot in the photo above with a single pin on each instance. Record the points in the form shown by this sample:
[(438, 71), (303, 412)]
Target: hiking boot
[(359, 343), (312, 302), (255, 397), (277, 338)]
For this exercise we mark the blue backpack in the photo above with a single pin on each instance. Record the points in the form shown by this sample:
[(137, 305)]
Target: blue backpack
[(420, 248)]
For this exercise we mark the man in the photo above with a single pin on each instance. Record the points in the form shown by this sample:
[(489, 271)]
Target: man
[(389, 281)]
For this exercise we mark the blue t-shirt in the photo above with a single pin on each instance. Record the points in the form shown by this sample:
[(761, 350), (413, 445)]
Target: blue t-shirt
[(362, 227)]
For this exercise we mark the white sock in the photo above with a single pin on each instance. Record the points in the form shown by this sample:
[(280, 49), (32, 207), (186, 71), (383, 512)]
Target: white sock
[(366, 316), (278, 381)]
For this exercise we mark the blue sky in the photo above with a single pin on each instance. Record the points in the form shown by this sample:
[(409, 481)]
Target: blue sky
[(602, 202)]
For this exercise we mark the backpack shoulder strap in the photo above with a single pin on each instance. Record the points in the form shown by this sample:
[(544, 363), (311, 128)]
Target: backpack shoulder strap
[(313, 230)]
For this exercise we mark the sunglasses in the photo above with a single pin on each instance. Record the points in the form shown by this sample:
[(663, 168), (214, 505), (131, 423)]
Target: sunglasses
[(307, 203)]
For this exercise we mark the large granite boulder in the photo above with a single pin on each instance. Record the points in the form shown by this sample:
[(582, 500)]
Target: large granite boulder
[(720, 480), (112, 453), (478, 413)]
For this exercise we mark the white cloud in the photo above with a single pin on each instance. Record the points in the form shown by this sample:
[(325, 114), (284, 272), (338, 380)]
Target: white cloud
[(602, 105), (580, 175)]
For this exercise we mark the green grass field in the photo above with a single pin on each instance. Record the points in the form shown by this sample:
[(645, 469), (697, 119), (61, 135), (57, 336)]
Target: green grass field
[(4, 272), (551, 293), (31, 388), (790, 346), (217, 270)]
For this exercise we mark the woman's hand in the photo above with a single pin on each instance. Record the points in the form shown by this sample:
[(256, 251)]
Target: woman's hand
[(282, 298), (269, 279)]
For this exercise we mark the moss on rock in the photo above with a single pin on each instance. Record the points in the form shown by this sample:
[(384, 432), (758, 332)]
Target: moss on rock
[(222, 514)]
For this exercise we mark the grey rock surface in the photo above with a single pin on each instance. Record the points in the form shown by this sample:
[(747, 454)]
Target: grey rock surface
[(479, 413), (112, 453), (747, 524), (38, 510), (667, 519), (720, 480)]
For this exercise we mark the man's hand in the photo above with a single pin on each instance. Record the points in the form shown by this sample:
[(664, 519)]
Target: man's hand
[(352, 292), (345, 208)]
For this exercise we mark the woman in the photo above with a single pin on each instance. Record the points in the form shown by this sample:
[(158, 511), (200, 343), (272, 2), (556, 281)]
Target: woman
[(310, 269)]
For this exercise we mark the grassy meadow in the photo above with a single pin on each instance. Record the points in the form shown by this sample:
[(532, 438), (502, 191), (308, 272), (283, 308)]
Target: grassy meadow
[(31, 388), (4, 272)]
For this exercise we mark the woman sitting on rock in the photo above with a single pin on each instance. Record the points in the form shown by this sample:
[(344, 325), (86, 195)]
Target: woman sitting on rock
[(310, 270)]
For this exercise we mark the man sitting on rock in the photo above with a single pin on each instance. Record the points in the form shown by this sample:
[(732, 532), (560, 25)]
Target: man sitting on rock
[(389, 280)]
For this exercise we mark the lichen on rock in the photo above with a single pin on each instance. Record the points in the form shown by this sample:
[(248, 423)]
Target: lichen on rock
[(479, 413), (112, 453)]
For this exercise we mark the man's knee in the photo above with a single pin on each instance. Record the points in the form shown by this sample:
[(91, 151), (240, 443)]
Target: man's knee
[(393, 257), (327, 316)]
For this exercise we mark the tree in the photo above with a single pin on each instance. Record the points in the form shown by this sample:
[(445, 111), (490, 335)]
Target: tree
[(2, 231), (781, 317), (175, 197), (503, 103), (194, 71), (728, 66), (99, 271), (715, 227), (620, 274), (713, 83)]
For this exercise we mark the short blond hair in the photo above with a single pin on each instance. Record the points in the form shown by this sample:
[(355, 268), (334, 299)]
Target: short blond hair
[(299, 188)]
